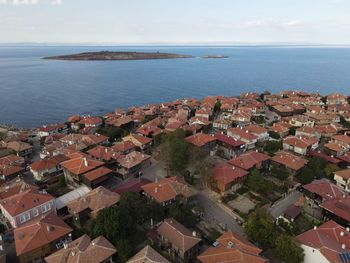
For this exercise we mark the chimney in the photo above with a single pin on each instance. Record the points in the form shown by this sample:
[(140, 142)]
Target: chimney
[(348, 229), (315, 227), (342, 233), (343, 246), (156, 190), (194, 233), (85, 162), (65, 245)]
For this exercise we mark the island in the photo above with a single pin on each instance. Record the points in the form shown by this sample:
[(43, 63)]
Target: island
[(112, 55), (215, 56)]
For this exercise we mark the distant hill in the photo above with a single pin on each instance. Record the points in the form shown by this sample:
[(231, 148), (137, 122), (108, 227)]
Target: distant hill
[(111, 55)]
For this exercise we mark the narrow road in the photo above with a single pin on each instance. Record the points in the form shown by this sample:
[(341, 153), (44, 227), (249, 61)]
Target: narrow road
[(278, 208), (214, 213)]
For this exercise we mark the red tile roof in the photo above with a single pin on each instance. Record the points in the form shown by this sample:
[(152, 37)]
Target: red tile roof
[(25, 201), (325, 189), (134, 185), (340, 207), (38, 234), (81, 165), (181, 237), (327, 239), (168, 189), (97, 173), (226, 173), (232, 248), (84, 250), (200, 139), (229, 140), (289, 160), (48, 163), (147, 255), (249, 159)]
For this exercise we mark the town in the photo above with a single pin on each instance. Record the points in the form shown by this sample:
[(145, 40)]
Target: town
[(248, 178)]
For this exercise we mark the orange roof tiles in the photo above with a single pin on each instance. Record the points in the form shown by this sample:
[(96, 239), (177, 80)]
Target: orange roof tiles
[(327, 239), (249, 159), (97, 173), (81, 165), (226, 173), (200, 139), (178, 235), (289, 160), (84, 250), (41, 233), (232, 248)]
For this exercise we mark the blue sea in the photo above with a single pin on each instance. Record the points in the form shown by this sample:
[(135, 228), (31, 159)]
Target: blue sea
[(34, 91)]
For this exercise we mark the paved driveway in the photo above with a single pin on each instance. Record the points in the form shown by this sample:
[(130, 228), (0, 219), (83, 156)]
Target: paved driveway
[(278, 208), (214, 213)]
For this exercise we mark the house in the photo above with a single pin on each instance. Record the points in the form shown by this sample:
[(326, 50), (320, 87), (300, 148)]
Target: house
[(250, 160), (318, 192), (291, 162), (62, 201), (21, 149), (75, 168), (228, 147), (48, 167), (336, 148), (26, 206), (281, 129), (342, 178), (340, 138), (169, 190), (241, 134), (325, 244), (40, 238), (258, 131), (84, 250), (301, 121), (10, 171), (134, 185), (336, 99), (15, 187), (91, 121), (338, 210), (290, 214), (221, 124), (202, 140), (48, 130), (228, 177), (182, 244), (97, 177), (326, 157), (300, 145), (307, 131), (232, 248), (105, 154), (90, 204), (147, 255), (144, 143), (124, 147), (132, 163)]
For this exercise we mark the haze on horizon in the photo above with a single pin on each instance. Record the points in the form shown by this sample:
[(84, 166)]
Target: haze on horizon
[(175, 22)]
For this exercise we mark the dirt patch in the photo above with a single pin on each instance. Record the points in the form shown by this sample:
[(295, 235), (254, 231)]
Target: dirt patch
[(242, 203)]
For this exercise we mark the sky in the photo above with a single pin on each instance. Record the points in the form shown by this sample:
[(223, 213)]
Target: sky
[(175, 21)]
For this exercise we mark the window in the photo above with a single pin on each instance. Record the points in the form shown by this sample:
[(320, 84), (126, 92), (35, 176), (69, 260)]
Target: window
[(24, 217), (36, 212), (45, 208)]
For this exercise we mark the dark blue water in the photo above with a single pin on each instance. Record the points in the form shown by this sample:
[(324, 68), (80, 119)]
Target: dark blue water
[(35, 91)]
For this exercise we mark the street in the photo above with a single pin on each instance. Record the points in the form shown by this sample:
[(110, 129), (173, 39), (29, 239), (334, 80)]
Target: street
[(278, 208), (214, 213)]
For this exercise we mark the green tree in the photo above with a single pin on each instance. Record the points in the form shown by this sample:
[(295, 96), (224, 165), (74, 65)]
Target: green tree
[(260, 228), (279, 172), (183, 214), (124, 249), (113, 133), (288, 250), (274, 135), (217, 106), (306, 175), (330, 169)]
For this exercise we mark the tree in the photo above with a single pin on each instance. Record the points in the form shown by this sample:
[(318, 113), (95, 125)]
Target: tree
[(272, 146), (292, 131), (217, 106), (183, 214), (280, 172), (330, 169), (124, 250), (174, 151), (274, 135), (113, 133), (288, 250), (261, 229), (306, 175)]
